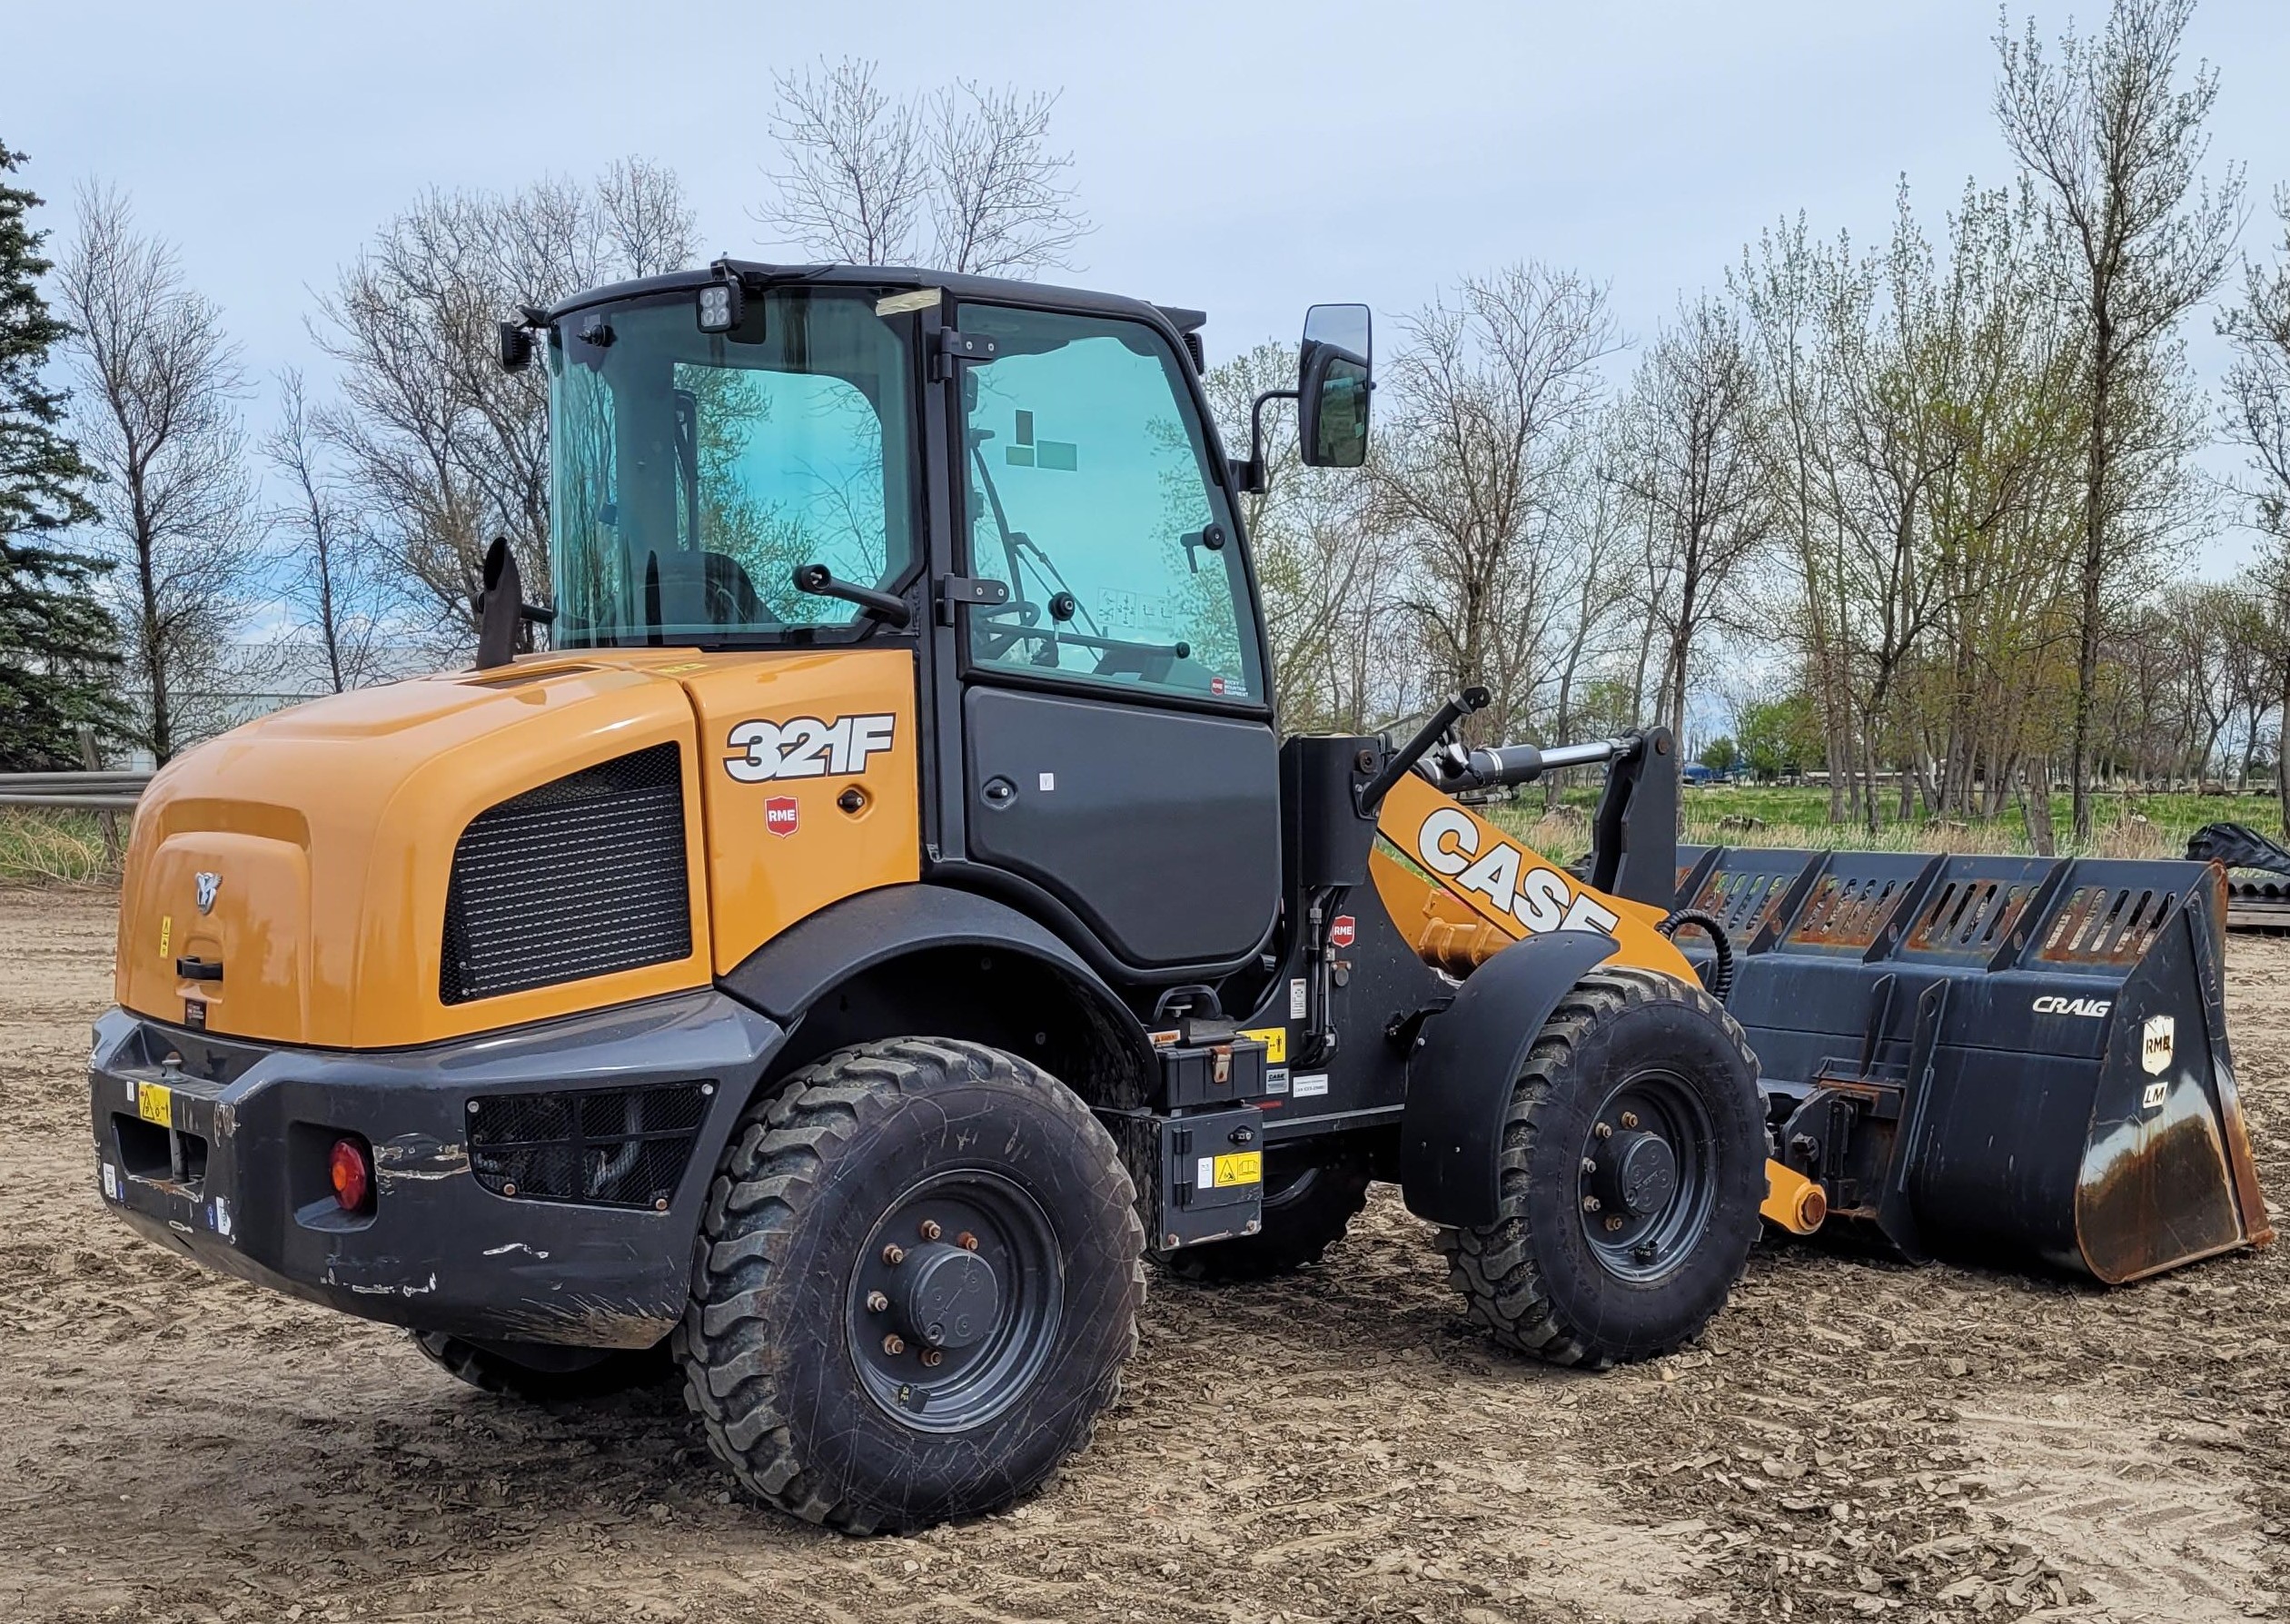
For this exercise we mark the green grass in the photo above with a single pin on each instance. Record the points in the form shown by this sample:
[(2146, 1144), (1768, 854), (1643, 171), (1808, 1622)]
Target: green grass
[(2126, 825), (55, 848)]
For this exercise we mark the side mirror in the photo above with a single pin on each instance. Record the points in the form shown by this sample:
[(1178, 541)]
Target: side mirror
[(1332, 382)]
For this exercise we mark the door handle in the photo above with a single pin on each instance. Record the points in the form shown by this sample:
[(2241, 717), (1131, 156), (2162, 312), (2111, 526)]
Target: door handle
[(998, 792), (199, 969)]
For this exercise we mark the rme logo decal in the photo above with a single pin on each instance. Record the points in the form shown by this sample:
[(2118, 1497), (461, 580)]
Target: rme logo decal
[(1539, 899), (2096, 1008), (805, 747)]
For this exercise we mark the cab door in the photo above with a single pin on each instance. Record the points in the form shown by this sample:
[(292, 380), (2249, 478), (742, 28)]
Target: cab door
[(1119, 749)]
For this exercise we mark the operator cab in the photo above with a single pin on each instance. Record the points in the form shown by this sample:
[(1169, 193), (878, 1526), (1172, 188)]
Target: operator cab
[(1022, 484)]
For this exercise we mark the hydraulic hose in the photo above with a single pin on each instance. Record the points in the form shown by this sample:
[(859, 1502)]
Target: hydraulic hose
[(1719, 979)]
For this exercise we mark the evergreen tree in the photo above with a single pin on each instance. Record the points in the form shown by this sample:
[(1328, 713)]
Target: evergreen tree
[(55, 638)]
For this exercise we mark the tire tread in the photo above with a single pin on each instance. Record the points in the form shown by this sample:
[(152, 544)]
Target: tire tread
[(1494, 1268), (753, 1211)]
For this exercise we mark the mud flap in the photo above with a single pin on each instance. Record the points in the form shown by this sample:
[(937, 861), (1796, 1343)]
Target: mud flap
[(1466, 1061), (1994, 1059)]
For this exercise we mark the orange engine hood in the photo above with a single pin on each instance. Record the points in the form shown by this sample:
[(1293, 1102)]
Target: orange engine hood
[(329, 833)]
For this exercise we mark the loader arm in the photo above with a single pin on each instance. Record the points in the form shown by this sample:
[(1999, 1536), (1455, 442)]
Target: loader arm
[(1461, 890)]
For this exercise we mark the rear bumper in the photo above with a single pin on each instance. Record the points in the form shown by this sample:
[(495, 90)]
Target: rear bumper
[(222, 1155)]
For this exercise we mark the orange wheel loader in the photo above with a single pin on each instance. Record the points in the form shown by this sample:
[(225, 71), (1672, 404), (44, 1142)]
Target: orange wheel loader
[(888, 916)]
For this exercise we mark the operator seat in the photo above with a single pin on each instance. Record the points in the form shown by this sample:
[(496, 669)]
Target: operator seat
[(701, 588)]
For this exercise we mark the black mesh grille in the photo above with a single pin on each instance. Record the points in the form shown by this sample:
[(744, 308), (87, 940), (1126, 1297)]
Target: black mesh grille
[(581, 876), (617, 1147)]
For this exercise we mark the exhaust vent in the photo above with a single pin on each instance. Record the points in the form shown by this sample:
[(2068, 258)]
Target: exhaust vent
[(581, 876)]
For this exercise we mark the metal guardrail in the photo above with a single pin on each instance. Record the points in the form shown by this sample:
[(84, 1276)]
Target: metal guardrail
[(79, 792)]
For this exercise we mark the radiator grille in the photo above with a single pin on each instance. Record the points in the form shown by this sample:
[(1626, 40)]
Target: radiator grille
[(581, 876), (616, 1147)]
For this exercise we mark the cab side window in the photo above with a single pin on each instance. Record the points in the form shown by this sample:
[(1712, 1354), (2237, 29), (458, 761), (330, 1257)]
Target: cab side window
[(1090, 497)]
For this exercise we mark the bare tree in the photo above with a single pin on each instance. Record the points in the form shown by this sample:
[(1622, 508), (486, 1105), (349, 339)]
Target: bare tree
[(333, 583), (1328, 575), (964, 175), (156, 413), (1691, 461), (1795, 300), (431, 432), (856, 183), (1488, 389), (1003, 204), (2116, 140), (2257, 419)]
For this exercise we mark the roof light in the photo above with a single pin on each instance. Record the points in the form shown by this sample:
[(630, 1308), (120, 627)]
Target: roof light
[(719, 306)]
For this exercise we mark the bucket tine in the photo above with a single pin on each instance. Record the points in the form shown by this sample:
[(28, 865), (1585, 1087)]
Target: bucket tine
[(2008, 1060)]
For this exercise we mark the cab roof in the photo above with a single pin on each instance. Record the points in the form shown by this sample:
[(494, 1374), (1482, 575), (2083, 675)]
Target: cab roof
[(997, 290)]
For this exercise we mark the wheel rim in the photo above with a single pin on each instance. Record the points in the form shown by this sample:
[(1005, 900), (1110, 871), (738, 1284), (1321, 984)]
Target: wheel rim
[(955, 1300), (1649, 1178)]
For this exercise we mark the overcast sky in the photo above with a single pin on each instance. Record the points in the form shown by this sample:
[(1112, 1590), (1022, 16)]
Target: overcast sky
[(1247, 158)]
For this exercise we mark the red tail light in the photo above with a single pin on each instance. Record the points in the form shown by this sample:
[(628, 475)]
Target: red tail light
[(352, 1174)]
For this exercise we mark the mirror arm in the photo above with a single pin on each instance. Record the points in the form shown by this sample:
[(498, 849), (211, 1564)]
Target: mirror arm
[(1250, 476)]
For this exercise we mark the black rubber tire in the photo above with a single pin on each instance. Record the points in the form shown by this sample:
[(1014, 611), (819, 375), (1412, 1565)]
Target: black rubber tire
[(1308, 1206), (809, 1171), (1532, 1278), (576, 1377)]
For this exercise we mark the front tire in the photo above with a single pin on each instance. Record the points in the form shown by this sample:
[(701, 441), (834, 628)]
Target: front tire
[(917, 1277), (1633, 1165)]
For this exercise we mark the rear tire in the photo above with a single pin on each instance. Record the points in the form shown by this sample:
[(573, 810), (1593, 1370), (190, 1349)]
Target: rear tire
[(566, 1374), (1633, 1165), (890, 1203), (1308, 1206)]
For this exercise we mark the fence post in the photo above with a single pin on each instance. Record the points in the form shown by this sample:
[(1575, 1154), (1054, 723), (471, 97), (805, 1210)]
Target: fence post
[(92, 760)]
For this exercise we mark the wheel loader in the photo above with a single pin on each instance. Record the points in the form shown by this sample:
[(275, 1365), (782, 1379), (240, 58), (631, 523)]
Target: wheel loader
[(887, 918)]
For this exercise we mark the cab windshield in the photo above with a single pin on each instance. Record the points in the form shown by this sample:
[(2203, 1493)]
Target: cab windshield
[(693, 472)]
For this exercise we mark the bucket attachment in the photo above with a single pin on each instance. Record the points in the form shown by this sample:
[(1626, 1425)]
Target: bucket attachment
[(2006, 1060)]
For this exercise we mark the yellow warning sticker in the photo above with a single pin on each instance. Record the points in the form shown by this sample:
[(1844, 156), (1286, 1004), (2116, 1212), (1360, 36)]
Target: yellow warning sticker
[(155, 1104), (1241, 1167), (1276, 1042), (166, 932)]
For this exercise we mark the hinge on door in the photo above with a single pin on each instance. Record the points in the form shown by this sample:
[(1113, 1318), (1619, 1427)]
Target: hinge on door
[(952, 346), (981, 589)]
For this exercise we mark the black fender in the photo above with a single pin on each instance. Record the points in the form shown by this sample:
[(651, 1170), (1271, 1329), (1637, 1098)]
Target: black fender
[(868, 934), (1465, 1065)]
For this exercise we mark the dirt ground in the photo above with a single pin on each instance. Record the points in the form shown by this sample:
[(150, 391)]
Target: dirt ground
[(1852, 1440)]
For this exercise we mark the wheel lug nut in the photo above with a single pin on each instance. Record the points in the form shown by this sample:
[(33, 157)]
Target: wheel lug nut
[(1588, 1165), (876, 1302), (1590, 1204), (893, 1345), (1630, 1119), (932, 1358), (1605, 1131), (966, 1241), (1613, 1221), (894, 1256), (930, 1229)]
